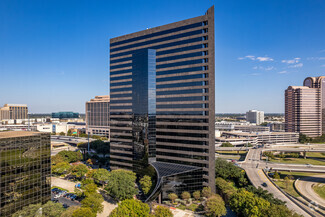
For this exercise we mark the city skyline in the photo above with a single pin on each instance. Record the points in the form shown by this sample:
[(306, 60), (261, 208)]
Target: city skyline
[(63, 50)]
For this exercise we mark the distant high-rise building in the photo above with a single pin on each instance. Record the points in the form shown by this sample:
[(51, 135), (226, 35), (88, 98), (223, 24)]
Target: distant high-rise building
[(65, 115), (97, 116), (162, 107), (254, 116), (305, 107), (13, 112), (25, 170)]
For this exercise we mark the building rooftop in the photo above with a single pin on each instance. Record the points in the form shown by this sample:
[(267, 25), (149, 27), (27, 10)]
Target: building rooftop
[(258, 133), (13, 134)]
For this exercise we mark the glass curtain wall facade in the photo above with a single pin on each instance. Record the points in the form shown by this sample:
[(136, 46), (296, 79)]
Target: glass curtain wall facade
[(182, 129), (25, 170)]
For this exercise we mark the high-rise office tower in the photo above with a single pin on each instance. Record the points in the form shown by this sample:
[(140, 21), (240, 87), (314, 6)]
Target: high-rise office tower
[(305, 107), (97, 116), (162, 105), (25, 170), (254, 116), (13, 112)]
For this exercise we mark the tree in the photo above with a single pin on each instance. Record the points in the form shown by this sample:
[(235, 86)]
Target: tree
[(196, 195), (90, 189), (51, 209), (69, 132), (68, 212), (70, 156), (304, 139), (121, 184), (161, 211), (83, 212), (172, 197), (248, 204), (280, 211), (57, 159), (94, 202), (226, 144), (62, 134), (276, 175), (101, 176), (79, 170), (186, 195), (260, 192), (146, 184), (206, 192), (230, 172), (28, 211), (61, 168), (131, 207), (215, 206)]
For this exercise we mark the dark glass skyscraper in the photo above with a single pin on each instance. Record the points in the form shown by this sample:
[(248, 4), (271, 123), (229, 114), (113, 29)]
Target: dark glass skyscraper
[(25, 170), (162, 103)]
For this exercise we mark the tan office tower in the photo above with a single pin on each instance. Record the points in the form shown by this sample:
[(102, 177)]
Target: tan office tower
[(14, 112), (305, 107), (97, 116)]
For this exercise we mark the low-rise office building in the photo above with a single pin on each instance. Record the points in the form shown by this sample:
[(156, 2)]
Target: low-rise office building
[(25, 168), (97, 116), (240, 126), (65, 115)]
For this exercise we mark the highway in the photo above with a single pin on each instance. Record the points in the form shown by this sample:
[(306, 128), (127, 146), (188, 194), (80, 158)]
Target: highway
[(305, 187), (70, 139), (257, 177)]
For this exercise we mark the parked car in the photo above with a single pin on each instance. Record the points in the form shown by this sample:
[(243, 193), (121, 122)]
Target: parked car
[(264, 184)]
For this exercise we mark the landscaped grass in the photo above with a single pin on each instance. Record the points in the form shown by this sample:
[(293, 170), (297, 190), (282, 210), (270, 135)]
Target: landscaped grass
[(234, 155), (316, 155), (296, 175), (290, 190), (320, 190), (297, 161)]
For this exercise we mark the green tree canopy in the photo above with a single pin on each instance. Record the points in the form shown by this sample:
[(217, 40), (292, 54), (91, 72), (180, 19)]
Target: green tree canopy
[(94, 202), (83, 212), (79, 170), (186, 195), (161, 211), (68, 212), (121, 184), (57, 159), (28, 211), (226, 144), (229, 171), (100, 175), (51, 209), (215, 206), (61, 168), (131, 207), (70, 156), (248, 204), (146, 184), (206, 192), (172, 197), (196, 195)]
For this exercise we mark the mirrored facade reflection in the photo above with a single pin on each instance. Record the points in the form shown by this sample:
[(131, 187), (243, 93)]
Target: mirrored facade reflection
[(25, 168), (162, 100)]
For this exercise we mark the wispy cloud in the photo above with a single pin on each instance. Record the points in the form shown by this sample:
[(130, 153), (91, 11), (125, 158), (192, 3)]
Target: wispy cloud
[(293, 61), (283, 72), (268, 68), (255, 74), (299, 65), (264, 59), (323, 65), (316, 58), (322, 51), (261, 59)]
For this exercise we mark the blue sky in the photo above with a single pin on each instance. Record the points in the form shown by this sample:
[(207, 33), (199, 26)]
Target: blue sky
[(54, 54)]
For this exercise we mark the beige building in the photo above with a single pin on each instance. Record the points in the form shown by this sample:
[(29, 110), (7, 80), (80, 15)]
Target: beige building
[(13, 112), (97, 116), (305, 107)]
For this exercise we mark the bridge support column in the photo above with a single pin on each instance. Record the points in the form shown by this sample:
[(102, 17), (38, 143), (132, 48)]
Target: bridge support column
[(305, 153)]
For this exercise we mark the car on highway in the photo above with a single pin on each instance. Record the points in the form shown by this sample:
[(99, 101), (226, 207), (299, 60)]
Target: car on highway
[(264, 184), (308, 165)]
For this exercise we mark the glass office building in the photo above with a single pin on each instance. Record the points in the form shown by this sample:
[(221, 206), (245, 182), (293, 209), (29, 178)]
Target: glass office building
[(162, 105), (25, 168), (65, 115)]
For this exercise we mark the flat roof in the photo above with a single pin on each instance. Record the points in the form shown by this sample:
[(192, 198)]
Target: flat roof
[(13, 134), (259, 133)]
